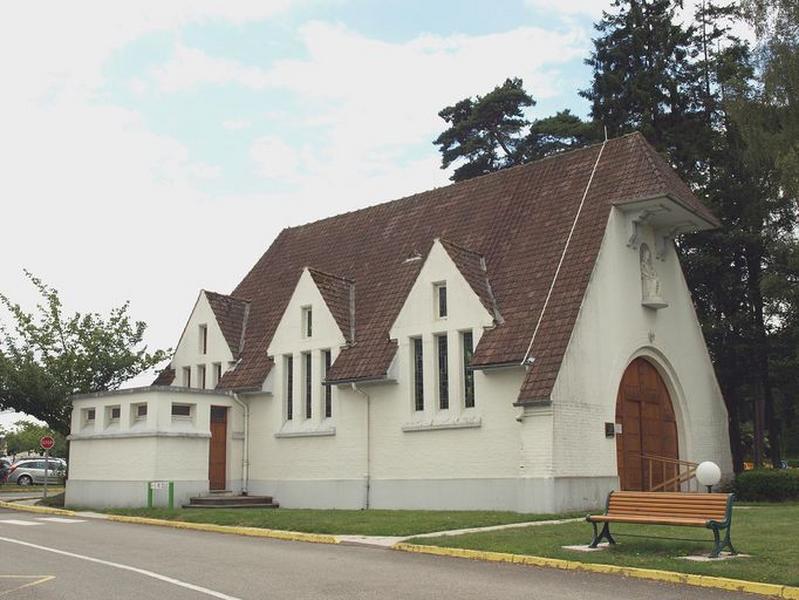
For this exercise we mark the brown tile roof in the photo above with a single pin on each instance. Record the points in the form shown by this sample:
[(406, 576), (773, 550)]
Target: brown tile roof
[(473, 268), (339, 295), (516, 220), (231, 315), (165, 377)]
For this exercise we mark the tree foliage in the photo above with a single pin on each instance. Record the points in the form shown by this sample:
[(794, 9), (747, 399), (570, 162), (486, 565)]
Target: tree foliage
[(488, 133), (46, 356), (25, 437), (727, 117)]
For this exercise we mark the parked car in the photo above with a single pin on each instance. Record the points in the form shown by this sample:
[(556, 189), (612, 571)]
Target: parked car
[(31, 470), (5, 465)]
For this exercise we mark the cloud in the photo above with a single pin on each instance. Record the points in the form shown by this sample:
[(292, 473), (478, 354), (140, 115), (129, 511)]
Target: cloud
[(368, 100), (92, 200), (592, 8), (274, 159), (236, 124), (106, 209), (189, 67)]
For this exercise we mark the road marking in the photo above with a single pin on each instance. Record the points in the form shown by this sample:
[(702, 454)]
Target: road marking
[(20, 522), (60, 520), (37, 580), (108, 563)]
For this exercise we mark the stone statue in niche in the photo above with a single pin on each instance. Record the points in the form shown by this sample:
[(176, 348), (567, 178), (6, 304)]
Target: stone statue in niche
[(650, 284)]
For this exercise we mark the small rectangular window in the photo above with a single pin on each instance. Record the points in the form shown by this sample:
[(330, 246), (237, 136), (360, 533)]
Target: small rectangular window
[(90, 414), (181, 410), (468, 375), (141, 411), (203, 339), (307, 322), (441, 299), (187, 377), (307, 388), (443, 371), (418, 374), (217, 370), (114, 413), (328, 389), (201, 376), (289, 366)]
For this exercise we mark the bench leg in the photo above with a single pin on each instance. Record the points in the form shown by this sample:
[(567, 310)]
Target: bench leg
[(719, 544), (599, 536)]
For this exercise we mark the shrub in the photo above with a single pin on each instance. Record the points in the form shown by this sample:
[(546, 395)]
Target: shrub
[(774, 485)]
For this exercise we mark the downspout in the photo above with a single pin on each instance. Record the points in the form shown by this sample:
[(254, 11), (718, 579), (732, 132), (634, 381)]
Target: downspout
[(245, 455), (367, 475)]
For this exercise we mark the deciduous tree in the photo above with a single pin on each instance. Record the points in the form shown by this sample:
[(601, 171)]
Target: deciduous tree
[(46, 356)]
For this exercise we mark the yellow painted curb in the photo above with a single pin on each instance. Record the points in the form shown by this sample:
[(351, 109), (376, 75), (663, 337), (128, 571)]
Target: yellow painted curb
[(45, 510), (293, 536), (724, 583)]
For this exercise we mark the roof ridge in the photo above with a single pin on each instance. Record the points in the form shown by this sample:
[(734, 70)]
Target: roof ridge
[(648, 150), (464, 182)]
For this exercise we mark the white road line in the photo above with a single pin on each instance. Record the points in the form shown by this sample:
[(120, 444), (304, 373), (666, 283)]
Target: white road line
[(145, 572), (60, 520), (20, 522)]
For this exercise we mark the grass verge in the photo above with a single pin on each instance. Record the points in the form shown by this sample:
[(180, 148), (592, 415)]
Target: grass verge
[(767, 532), (24, 489), (341, 522)]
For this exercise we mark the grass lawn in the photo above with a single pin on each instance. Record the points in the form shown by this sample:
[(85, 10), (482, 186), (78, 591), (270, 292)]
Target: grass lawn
[(6, 488), (354, 522), (767, 532)]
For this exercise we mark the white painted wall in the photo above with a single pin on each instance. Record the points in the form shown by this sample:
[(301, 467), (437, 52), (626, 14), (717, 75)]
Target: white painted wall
[(111, 461), (375, 438), (188, 352), (376, 450), (613, 329)]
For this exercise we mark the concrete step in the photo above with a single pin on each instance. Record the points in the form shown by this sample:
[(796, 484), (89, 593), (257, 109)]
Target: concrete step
[(229, 500), (264, 505)]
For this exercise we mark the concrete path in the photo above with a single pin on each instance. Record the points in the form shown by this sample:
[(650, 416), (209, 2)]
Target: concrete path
[(98, 559), (387, 541)]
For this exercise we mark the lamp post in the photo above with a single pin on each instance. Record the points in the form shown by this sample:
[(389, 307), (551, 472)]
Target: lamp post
[(708, 474)]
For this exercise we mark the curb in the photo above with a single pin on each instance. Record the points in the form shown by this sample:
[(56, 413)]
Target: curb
[(46, 510), (291, 536), (708, 581)]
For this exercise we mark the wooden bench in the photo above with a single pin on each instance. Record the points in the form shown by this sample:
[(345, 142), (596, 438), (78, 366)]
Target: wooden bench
[(712, 511)]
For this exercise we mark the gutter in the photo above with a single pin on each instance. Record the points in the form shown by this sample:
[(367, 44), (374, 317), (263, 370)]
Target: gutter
[(356, 380)]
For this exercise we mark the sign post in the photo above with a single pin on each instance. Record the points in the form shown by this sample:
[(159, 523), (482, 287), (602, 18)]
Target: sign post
[(46, 443)]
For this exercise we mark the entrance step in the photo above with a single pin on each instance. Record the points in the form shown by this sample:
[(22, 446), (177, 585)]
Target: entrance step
[(216, 500)]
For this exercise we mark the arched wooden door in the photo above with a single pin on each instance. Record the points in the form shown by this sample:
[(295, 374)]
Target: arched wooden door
[(645, 412)]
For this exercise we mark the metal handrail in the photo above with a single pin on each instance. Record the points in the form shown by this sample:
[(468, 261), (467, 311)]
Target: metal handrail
[(674, 483)]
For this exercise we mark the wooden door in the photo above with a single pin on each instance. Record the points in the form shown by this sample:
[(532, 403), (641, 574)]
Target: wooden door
[(649, 428), (217, 455)]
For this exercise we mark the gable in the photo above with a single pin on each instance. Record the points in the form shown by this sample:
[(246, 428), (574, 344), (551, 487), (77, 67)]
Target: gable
[(465, 308), (288, 336), (188, 351)]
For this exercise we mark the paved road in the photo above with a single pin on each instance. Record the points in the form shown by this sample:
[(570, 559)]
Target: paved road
[(96, 559)]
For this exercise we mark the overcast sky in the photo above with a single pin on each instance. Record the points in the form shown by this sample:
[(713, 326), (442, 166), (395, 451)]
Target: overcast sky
[(153, 148)]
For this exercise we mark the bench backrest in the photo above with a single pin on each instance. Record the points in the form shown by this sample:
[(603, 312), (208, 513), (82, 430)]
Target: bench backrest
[(688, 505)]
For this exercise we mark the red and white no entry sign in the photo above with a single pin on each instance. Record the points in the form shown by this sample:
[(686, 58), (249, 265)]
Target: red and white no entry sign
[(47, 442)]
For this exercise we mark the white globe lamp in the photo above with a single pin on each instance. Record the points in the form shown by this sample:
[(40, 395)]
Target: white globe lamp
[(708, 474)]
